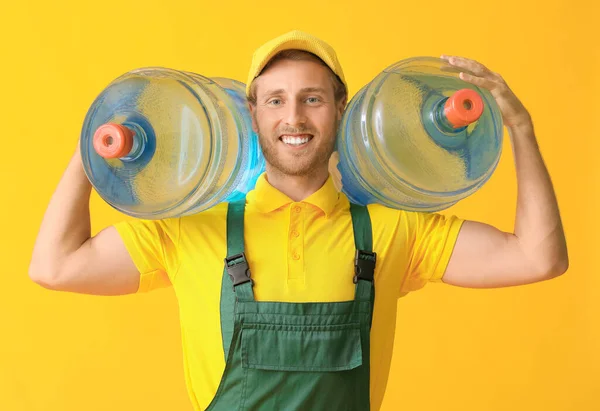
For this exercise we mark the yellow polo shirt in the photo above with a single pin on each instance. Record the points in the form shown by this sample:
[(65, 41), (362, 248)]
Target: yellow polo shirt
[(298, 252)]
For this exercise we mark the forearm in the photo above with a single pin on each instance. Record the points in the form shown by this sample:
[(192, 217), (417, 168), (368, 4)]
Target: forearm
[(66, 223), (538, 225)]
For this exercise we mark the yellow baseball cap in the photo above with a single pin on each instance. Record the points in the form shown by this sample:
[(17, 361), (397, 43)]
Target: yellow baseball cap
[(297, 40)]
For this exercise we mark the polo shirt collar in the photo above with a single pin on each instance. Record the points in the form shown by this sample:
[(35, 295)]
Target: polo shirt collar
[(267, 198)]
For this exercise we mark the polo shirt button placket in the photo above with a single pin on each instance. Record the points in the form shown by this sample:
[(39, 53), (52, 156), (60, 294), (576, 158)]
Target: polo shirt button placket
[(295, 243)]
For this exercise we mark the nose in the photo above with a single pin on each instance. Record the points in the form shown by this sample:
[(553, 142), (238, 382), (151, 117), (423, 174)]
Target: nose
[(295, 115)]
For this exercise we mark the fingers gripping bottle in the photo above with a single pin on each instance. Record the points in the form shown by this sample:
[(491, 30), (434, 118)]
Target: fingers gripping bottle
[(418, 138), (159, 143)]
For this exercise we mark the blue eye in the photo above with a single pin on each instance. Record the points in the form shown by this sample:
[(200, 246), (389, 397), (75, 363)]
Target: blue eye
[(313, 99), (274, 102)]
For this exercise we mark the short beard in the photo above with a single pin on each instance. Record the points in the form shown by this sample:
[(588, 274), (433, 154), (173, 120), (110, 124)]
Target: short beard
[(303, 167)]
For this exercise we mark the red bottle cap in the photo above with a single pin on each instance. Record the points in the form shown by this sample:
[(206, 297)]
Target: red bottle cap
[(113, 140), (463, 108)]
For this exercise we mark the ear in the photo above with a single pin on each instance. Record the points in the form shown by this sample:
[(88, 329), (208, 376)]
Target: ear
[(341, 106), (252, 109)]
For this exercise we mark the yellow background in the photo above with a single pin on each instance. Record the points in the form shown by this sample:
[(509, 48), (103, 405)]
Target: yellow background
[(526, 348)]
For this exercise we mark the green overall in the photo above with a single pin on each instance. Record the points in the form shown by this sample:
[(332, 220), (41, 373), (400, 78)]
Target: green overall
[(295, 356)]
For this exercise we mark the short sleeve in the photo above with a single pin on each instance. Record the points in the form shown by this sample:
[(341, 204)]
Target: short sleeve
[(152, 245), (431, 240)]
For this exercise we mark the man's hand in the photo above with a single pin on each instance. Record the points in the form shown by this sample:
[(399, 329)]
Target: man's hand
[(514, 114)]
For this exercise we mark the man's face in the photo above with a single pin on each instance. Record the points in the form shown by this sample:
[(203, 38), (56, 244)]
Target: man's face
[(296, 116)]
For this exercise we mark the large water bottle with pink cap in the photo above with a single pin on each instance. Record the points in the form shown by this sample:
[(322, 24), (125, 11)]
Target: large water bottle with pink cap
[(417, 137), (160, 143)]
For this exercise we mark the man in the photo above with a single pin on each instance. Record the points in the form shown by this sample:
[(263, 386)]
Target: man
[(289, 322)]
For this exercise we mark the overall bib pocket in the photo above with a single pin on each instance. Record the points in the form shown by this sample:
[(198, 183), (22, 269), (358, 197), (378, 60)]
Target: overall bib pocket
[(303, 367), (317, 348)]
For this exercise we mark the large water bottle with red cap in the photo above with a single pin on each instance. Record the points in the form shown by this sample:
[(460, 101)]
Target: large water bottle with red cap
[(160, 143), (417, 137)]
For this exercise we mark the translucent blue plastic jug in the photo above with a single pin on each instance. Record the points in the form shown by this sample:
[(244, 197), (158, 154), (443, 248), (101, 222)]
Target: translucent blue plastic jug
[(160, 143), (417, 137)]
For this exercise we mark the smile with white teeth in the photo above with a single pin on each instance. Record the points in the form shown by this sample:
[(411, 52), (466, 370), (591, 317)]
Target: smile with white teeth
[(295, 141)]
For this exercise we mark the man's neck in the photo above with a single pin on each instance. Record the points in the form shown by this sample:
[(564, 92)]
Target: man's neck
[(297, 187)]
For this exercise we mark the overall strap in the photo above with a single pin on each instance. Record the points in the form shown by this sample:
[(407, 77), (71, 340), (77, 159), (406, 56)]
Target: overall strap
[(365, 259), (236, 282)]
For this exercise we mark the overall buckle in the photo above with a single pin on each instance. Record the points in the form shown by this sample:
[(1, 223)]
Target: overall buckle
[(238, 269), (364, 265)]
